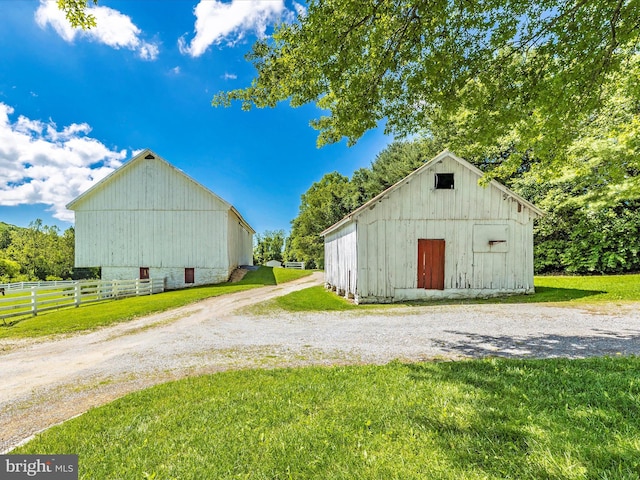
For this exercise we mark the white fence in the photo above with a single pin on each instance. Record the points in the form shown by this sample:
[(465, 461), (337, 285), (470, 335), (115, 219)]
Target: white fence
[(18, 286), (52, 295), (296, 265)]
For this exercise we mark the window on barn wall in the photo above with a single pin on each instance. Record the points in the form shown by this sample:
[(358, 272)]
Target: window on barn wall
[(189, 275), (444, 181), (144, 273)]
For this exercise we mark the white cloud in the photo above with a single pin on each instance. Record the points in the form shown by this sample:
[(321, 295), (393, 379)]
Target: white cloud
[(218, 22), (42, 164), (113, 28), (229, 76), (300, 9)]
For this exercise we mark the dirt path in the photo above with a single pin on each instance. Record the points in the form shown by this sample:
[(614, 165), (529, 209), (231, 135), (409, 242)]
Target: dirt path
[(46, 382)]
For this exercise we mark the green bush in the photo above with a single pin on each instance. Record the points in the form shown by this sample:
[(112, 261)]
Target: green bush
[(594, 240)]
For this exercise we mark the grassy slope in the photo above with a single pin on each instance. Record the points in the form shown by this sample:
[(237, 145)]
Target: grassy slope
[(113, 311), (489, 419), (574, 290)]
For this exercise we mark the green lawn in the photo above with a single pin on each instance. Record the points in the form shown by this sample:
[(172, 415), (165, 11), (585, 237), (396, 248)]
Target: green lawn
[(104, 313), (485, 419), (587, 289), (564, 289), (313, 299)]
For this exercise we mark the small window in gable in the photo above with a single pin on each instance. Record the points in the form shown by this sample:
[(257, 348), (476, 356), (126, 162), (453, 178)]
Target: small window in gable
[(444, 181)]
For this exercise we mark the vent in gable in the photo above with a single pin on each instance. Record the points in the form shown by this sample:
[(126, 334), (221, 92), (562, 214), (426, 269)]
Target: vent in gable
[(149, 157)]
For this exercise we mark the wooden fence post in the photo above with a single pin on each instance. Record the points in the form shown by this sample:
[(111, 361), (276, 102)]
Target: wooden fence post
[(76, 294), (34, 301)]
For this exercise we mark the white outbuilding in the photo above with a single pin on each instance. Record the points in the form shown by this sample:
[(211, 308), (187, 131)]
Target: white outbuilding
[(147, 219), (436, 233)]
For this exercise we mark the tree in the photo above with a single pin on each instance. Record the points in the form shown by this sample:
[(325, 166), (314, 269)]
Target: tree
[(8, 269), (326, 202), (268, 247), (417, 63), (591, 197), (41, 252), (77, 14), (5, 236)]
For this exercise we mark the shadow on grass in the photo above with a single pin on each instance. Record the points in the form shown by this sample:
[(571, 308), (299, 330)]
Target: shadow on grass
[(539, 410), (542, 295)]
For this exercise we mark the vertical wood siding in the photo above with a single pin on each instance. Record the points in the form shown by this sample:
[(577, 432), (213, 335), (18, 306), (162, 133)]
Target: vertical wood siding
[(388, 233), (340, 257), (159, 239), (240, 242), (151, 215)]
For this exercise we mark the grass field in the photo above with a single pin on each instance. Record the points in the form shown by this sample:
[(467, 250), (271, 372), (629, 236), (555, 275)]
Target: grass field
[(68, 320), (573, 290), (488, 419)]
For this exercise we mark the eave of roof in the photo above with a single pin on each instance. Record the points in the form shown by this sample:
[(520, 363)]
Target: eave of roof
[(136, 159), (438, 158)]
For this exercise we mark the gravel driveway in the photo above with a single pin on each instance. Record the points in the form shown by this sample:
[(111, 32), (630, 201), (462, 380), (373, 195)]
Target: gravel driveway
[(48, 381)]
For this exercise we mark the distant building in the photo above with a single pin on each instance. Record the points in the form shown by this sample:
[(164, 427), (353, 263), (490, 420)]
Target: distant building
[(434, 234), (273, 263), (149, 219)]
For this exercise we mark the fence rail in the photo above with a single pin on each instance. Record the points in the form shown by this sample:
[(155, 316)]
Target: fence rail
[(51, 295), (296, 265), (18, 286)]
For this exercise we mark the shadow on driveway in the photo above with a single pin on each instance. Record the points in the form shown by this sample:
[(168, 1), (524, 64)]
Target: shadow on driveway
[(597, 343)]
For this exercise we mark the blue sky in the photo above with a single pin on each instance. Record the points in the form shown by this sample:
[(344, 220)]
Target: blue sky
[(75, 105)]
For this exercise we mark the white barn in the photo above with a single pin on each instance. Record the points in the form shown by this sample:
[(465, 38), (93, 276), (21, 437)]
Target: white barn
[(435, 234), (147, 219)]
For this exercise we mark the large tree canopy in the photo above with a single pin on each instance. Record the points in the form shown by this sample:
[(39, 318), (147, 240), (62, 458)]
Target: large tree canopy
[(417, 63)]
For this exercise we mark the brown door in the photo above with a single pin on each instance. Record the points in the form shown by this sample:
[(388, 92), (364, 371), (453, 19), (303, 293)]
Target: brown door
[(431, 264), (144, 273), (189, 275)]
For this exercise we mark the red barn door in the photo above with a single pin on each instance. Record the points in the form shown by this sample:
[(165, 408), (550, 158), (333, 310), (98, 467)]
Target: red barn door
[(431, 264)]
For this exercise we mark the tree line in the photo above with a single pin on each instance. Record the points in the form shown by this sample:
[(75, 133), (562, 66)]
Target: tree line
[(39, 252), (543, 96), (591, 197), (590, 192)]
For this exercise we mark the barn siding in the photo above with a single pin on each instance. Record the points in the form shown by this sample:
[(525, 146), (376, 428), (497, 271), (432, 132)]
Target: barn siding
[(150, 214), (151, 185), (240, 242), (340, 253), (163, 239), (389, 229)]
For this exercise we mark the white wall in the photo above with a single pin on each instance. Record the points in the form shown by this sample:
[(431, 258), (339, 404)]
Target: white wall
[(149, 214), (151, 238), (388, 252), (388, 233), (340, 259), (240, 242), (174, 277)]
